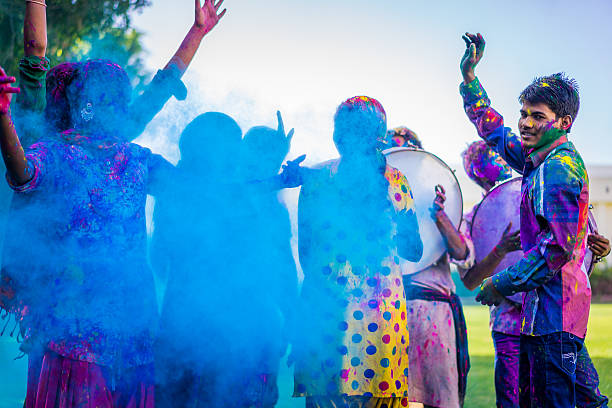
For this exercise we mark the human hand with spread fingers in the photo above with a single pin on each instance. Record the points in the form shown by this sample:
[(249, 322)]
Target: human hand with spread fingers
[(6, 91), (12, 152), (207, 16), (475, 45)]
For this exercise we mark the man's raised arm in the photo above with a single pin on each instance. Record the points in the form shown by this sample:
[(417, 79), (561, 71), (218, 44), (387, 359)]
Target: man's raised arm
[(489, 123)]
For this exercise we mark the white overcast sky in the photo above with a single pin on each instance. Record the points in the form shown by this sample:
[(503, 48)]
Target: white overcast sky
[(305, 57)]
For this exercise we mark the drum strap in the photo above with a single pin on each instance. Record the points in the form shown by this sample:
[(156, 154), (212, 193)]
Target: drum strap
[(414, 292)]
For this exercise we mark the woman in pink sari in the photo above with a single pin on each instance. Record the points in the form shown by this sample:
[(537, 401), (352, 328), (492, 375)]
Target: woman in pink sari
[(75, 274)]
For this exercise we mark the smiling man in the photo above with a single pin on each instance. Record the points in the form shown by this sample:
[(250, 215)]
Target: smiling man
[(554, 216)]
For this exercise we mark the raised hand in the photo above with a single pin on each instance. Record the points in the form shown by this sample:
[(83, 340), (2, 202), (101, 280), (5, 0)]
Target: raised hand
[(207, 16), (281, 128), (293, 174), (6, 91), (509, 242), (12, 153), (475, 45), (439, 200)]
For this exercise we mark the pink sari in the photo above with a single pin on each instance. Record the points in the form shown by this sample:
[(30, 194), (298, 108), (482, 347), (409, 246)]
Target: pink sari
[(58, 382)]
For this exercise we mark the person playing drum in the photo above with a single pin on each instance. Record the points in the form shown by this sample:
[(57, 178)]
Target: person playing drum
[(356, 216), (438, 355), (487, 168), (554, 218)]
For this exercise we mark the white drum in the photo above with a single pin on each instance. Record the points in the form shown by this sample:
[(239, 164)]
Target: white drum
[(424, 171)]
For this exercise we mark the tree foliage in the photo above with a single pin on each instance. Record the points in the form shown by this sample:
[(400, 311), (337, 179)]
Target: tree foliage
[(77, 29)]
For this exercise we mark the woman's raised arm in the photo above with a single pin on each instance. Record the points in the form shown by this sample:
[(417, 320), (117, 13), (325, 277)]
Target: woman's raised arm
[(12, 152)]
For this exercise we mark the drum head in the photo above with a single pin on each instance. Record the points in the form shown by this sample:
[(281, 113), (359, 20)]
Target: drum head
[(502, 205), (424, 171)]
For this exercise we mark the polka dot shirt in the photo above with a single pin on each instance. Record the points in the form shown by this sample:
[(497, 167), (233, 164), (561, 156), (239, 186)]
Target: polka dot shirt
[(353, 336)]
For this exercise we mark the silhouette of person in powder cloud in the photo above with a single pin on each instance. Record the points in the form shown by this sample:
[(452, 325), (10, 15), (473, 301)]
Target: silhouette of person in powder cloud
[(223, 244), (271, 266), (193, 250), (355, 216)]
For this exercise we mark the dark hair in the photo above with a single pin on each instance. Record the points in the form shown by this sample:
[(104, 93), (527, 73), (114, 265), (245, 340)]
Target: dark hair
[(57, 111), (557, 91), (410, 137), (103, 81)]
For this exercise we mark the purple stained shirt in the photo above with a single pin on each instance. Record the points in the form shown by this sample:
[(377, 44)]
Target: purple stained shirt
[(554, 218), (506, 317), (77, 258)]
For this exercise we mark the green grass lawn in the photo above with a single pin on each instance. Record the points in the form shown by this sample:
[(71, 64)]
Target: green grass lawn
[(481, 392)]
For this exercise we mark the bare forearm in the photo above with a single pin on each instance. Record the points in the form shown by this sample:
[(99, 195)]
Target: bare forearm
[(482, 270), (184, 55), (468, 77), (455, 244), (35, 29), (12, 152)]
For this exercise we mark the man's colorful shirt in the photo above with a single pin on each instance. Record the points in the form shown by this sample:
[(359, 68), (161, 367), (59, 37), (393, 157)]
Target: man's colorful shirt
[(554, 218)]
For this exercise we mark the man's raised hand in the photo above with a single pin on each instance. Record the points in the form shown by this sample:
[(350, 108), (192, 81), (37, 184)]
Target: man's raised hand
[(475, 45), (207, 16)]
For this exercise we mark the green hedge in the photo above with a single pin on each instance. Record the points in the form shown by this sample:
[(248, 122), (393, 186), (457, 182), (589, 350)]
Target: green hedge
[(601, 281)]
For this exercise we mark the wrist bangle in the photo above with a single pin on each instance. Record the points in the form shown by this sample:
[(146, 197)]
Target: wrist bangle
[(42, 3), (482, 284)]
